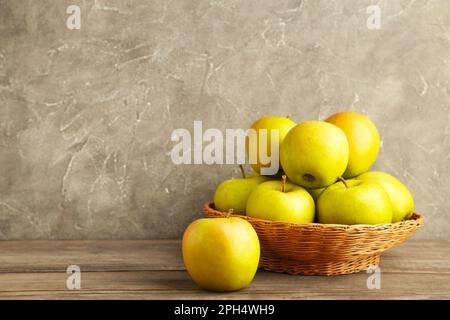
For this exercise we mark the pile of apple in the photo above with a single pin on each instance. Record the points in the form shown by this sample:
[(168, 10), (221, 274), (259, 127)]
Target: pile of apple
[(326, 164), (323, 178)]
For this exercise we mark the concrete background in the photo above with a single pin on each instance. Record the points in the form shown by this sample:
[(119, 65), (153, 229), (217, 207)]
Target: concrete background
[(86, 115)]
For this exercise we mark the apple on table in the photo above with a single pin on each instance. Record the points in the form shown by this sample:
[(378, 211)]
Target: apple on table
[(221, 254)]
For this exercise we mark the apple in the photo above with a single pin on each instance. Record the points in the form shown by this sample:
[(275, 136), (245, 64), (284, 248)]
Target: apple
[(314, 154), (221, 254), (282, 124), (363, 139), (401, 198), (232, 194), (354, 202), (281, 201)]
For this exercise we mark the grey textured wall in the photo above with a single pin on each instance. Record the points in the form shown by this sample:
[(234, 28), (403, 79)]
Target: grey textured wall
[(86, 115)]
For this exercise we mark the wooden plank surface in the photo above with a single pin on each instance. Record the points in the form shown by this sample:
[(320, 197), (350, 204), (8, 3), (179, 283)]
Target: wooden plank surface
[(153, 269), (97, 255)]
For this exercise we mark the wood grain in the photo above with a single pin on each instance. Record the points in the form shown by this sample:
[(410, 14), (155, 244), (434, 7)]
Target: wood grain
[(98, 255), (152, 269)]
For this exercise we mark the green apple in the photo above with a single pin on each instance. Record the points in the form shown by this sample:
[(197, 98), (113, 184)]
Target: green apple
[(270, 123), (314, 154), (354, 202), (401, 198), (233, 194), (281, 201), (221, 254)]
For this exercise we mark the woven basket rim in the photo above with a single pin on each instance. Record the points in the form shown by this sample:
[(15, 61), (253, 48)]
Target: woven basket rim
[(415, 218)]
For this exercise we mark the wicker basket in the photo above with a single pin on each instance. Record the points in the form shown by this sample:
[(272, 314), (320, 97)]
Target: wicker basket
[(323, 249)]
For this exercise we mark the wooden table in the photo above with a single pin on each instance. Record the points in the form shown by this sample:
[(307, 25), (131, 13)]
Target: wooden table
[(153, 269)]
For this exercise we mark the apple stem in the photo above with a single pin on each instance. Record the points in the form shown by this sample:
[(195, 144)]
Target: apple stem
[(343, 181), (289, 116), (283, 185), (241, 167)]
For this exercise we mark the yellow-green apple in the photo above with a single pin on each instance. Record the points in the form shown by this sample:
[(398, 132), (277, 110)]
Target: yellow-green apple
[(221, 254), (281, 201), (401, 198), (255, 147), (314, 154), (354, 202), (232, 194), (363, 139)]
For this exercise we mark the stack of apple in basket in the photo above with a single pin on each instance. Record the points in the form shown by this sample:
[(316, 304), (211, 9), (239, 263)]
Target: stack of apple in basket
[(324, 212)]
